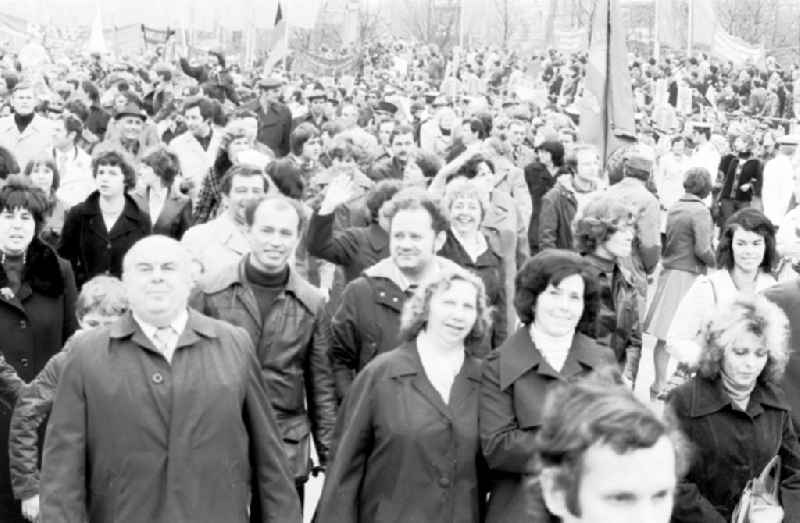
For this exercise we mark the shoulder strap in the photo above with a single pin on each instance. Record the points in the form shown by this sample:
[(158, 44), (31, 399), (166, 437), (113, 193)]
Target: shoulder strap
[(713, 289)]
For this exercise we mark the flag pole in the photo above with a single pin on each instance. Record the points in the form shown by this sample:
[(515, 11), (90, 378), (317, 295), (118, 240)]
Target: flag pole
[(286, 38), (656, 36), (691, 29)]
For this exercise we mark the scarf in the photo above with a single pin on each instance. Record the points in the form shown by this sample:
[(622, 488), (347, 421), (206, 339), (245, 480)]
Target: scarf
[(739, 394), (554, 349)]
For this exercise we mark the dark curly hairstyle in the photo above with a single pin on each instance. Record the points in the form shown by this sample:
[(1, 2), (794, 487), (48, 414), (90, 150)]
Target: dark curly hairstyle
[(164, 162), (287, 177), (551, 266), (751, 220), (381, 193), (470, 168), (115, 158), (19, 193), (601, 217)]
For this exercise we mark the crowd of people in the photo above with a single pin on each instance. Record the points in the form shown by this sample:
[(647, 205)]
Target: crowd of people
[(416, 279)]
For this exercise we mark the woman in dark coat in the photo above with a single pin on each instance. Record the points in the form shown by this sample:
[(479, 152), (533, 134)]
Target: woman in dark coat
[(37, 300), (43, 173), (407, 435), (98, 232), (554, 295), (466, 245), (603, 234), (170, 211), (736, 415)]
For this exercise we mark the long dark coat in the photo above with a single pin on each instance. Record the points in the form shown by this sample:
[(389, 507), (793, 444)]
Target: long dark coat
[(34, 326), (93, 250), (134, 438), (402, 454), (730, 447), (515, 381), (274, 127)]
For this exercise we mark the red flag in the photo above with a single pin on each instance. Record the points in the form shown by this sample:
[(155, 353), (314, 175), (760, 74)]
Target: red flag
[(607, 103)]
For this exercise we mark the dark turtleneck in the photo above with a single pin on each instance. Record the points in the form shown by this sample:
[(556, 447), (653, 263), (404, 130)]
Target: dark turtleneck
[(23, 121), (204, 141), (266, 286)]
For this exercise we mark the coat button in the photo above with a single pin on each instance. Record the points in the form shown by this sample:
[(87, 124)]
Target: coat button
[(158, 378), (444, 482), (23, 324), (24, 362)]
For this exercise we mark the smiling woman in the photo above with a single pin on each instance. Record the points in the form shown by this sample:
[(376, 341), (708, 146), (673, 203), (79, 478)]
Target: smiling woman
[(425, 392), (555, 293)]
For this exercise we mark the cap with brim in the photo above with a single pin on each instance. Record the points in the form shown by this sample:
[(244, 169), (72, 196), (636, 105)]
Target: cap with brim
[(270, 83), (316, 94), (639, 158), (131, 109), (386, 107)]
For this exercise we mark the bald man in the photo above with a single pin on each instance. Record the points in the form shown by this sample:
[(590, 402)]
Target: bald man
[(163, 416)]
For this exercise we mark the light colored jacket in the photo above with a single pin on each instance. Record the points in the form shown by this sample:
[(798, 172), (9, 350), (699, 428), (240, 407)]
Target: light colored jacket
[(195, 162), (214, 245), (76, 180), (35, 140)]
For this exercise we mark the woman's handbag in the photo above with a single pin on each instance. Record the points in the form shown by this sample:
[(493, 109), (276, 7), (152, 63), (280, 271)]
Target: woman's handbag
[(759, 502)]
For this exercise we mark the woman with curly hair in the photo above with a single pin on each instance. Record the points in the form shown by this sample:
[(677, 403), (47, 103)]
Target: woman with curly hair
[(603, 235), (408, 448), (556, 300), (736, 415), (687, 254), (745, 259)]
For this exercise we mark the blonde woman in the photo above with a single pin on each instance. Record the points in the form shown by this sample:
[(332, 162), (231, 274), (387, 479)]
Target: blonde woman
[(408, 448), (735, 414)]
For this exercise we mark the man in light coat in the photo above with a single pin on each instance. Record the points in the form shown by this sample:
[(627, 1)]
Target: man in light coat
[(25, 133), (197, 147), (163, 416)]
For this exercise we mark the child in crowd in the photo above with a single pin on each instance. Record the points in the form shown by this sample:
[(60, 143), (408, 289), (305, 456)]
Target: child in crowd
[(101, 302)]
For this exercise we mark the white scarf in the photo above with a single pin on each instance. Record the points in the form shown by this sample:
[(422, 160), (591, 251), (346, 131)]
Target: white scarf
[(554, 349)]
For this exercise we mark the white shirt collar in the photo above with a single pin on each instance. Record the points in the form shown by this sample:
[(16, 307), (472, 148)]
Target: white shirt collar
[(178, 324)]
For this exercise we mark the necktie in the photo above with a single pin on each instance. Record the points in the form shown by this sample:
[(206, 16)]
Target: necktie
[(162, 339)]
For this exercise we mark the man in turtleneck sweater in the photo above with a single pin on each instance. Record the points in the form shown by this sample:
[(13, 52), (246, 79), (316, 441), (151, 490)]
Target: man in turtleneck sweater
[(286, 319), (25, 133)]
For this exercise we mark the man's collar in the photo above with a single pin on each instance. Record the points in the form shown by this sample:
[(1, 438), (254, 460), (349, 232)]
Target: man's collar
[(178, 324)]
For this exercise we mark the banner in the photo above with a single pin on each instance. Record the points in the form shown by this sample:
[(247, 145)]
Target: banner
[(306, 62), (153, 36), (717, 40)]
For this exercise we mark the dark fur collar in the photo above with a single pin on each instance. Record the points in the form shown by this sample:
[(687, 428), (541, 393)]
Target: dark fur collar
[(42, 270)]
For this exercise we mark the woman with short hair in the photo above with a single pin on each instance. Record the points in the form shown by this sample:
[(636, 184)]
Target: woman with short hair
[(735, 414), (98, 232), (556, 299), (170, 211), (407, 434), (37, 303), (44, 174), (687, 254), (466, 204), (603, 234)]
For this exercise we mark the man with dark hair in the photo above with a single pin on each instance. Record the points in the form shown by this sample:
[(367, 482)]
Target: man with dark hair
[(367, 320), (401, 143), (605, 456), (540, 176), (74, 165), (197, 147), (221, 242), (286, 319), (213, 76)]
